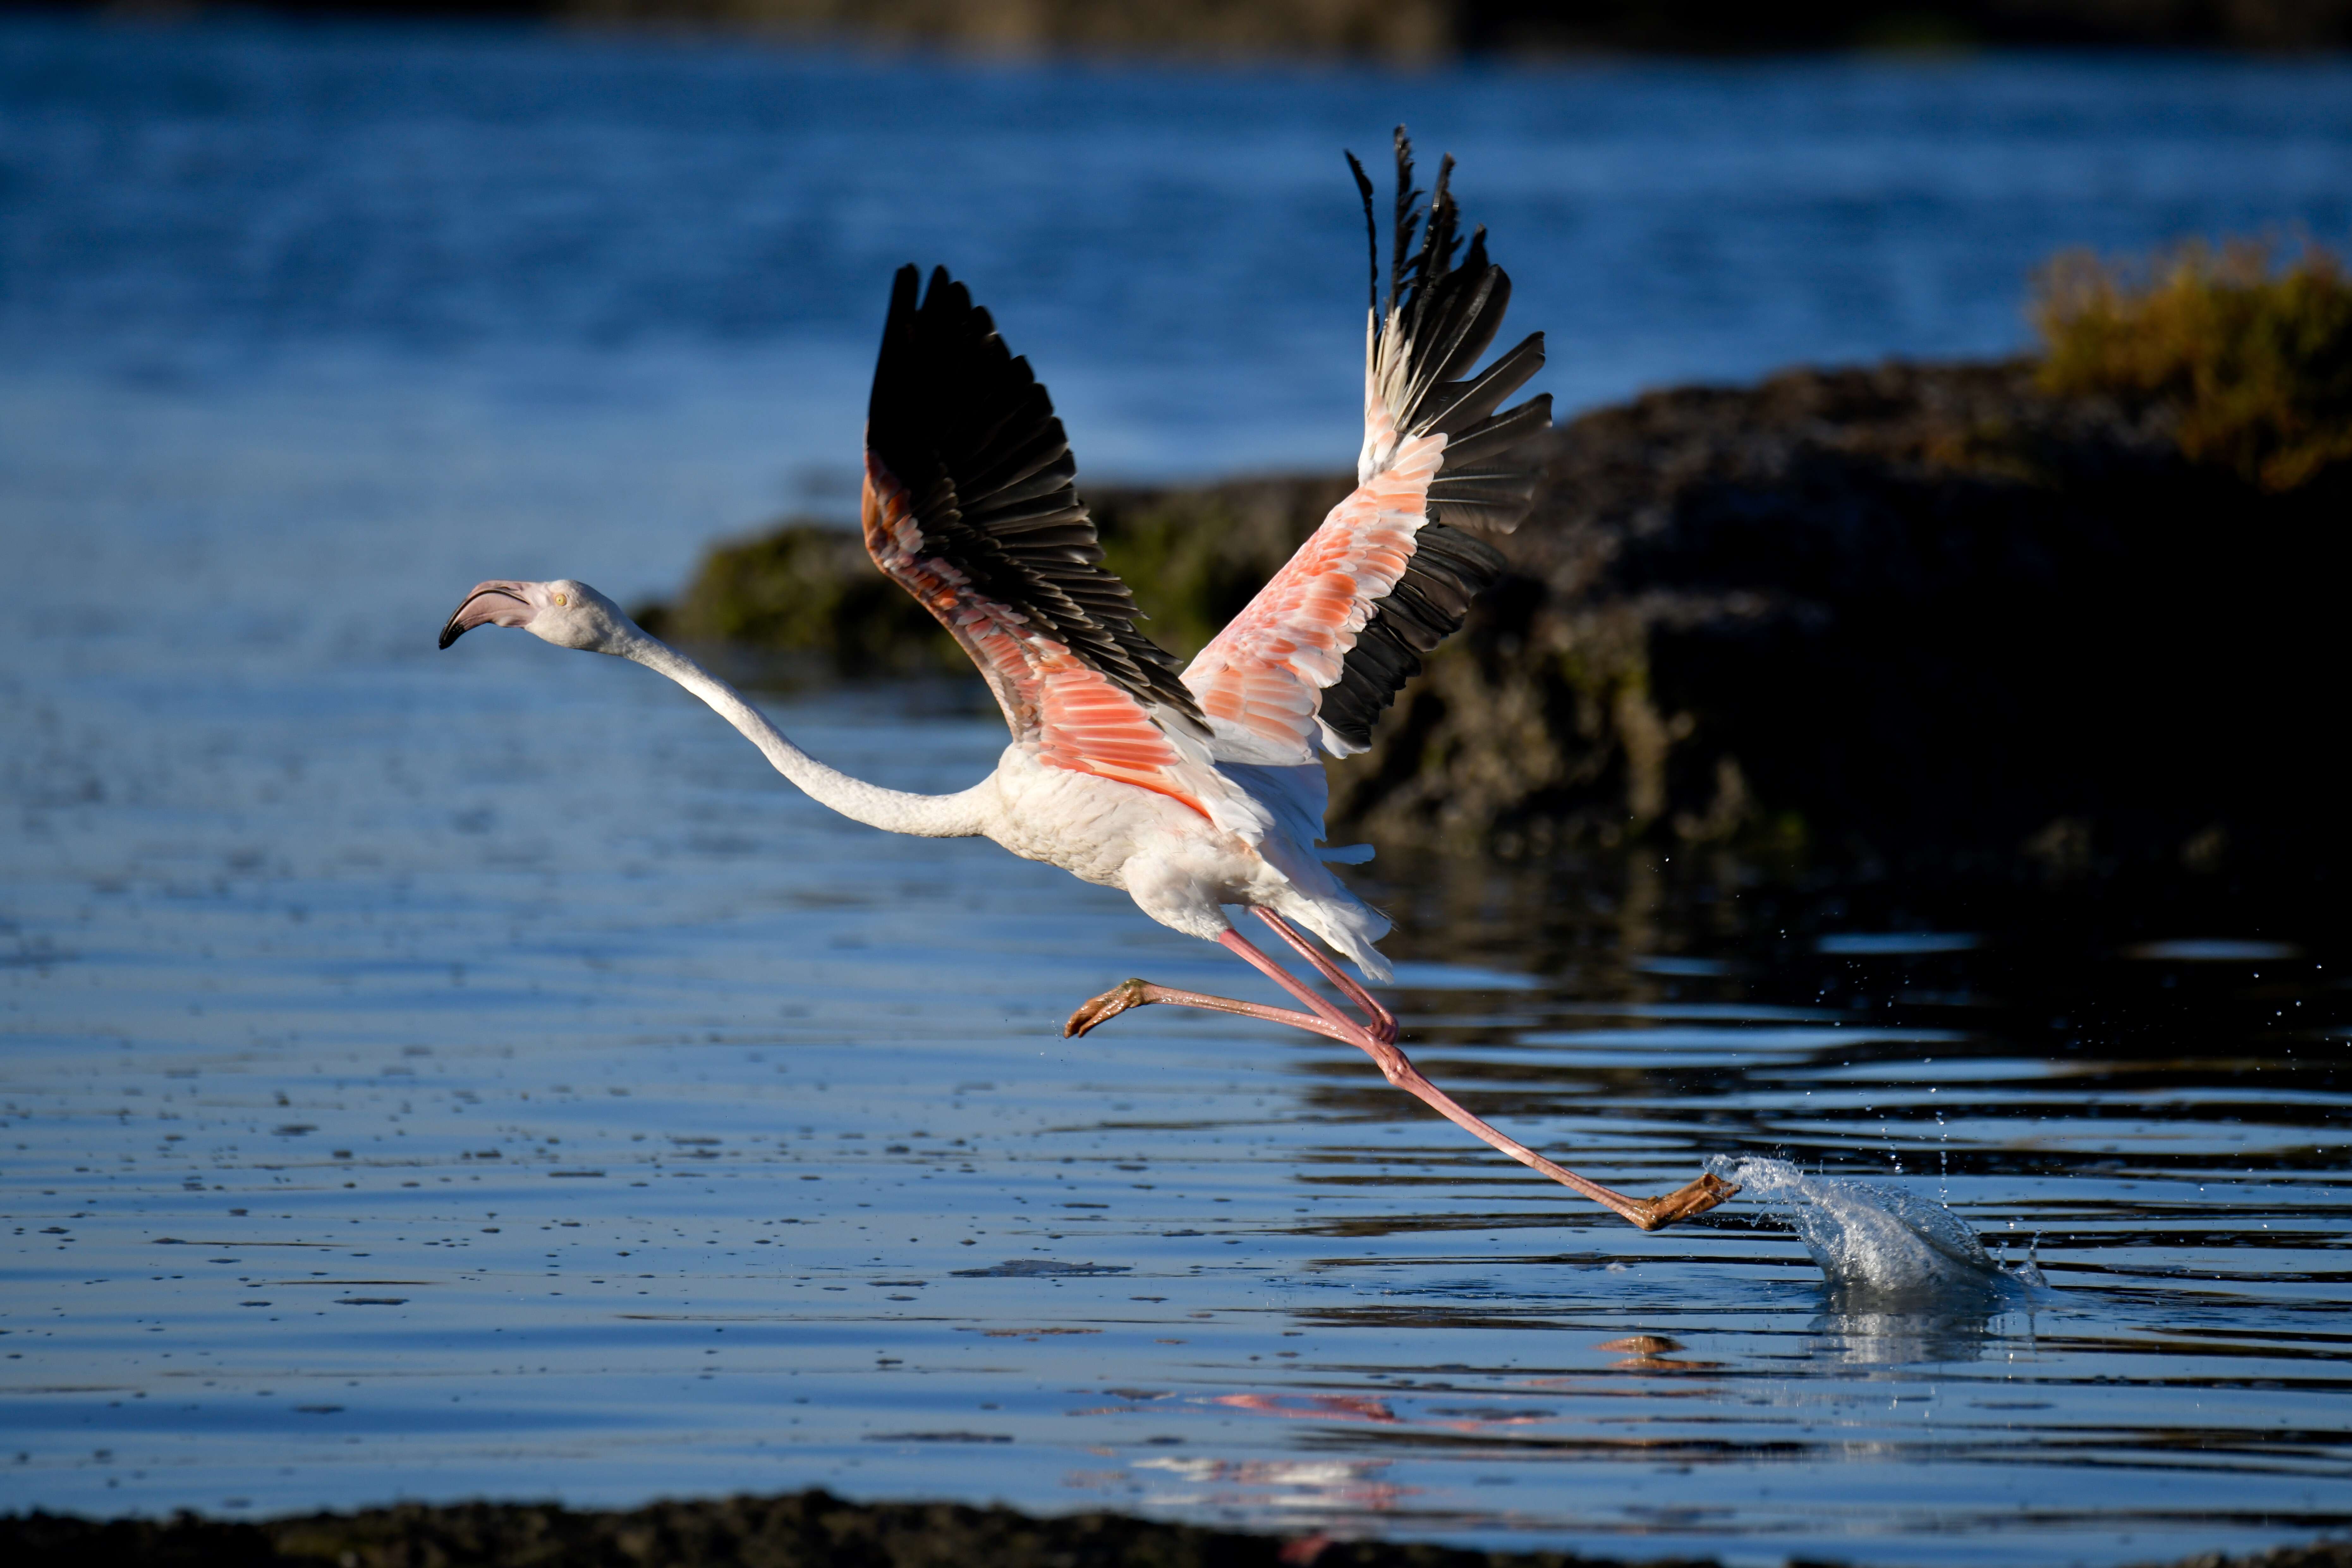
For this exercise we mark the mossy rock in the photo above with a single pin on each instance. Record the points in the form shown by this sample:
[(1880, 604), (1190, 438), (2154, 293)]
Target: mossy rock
[(1193, 557), (1885, 614), (806, 588)]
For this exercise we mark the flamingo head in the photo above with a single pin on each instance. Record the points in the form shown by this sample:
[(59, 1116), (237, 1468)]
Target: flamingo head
[(565, 612)]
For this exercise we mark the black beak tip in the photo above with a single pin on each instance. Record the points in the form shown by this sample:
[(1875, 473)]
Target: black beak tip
[(451, 632)]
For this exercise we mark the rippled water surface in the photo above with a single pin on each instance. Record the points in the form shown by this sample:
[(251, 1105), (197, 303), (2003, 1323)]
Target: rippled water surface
[(446, 1075), (484, 1077)]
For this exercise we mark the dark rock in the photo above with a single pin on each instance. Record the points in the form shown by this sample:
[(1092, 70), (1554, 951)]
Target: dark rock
[(1887, 613), (1902, 614)]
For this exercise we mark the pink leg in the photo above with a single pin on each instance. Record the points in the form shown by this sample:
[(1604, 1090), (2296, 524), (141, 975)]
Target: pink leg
[(1325, 1020), (1232, 942), (1384, 1022), (1143, 993), (1649, 1214)]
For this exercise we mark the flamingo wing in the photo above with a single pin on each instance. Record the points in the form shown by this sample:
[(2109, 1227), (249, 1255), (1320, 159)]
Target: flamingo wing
[(1326, 645), (971, 505)]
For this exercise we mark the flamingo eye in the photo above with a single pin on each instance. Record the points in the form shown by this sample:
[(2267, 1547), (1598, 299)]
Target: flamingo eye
[(562, 600)]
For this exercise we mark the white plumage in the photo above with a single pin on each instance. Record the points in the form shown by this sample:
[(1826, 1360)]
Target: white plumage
[(1201, 790)]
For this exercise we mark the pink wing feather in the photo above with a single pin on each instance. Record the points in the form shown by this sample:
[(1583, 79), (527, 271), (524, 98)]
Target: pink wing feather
[(1326, 645), (1261, 681), (971, 505), (1074, 716)]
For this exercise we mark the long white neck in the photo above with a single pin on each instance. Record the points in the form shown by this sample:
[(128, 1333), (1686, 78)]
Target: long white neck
[(926, 816)]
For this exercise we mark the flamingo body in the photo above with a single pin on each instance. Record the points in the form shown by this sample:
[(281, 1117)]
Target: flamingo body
[(1181, 868), (1200, 789)]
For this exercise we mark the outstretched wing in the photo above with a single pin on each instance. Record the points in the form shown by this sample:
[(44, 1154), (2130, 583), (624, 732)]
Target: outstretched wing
[(970, 506), (1327, 644)]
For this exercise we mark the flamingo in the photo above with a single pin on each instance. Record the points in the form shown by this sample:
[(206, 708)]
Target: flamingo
[(1199, 789)]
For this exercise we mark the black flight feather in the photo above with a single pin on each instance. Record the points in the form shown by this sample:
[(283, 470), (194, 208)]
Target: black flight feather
[(1372, 226), (971, 434), (1438, 321)]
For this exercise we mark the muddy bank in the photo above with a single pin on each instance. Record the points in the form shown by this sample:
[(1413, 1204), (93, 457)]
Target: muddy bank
[(1902, 614), (804, 1530)]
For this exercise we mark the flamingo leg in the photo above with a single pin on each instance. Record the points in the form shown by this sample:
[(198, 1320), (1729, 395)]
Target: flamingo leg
[(1384, 1022), (1142, 992), (1377, 1040), (1232, 942)]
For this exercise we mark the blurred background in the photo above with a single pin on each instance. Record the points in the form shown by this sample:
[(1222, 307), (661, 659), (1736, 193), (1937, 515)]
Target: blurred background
[(1411, 31), (673, 242), (497, 966)]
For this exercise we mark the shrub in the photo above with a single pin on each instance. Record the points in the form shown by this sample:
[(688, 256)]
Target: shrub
[(2256, 361)]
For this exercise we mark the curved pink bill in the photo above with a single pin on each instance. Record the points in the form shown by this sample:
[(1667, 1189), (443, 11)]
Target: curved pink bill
[(490, 603)]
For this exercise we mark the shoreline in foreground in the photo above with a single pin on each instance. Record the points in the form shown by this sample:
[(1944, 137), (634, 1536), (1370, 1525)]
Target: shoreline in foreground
[(812, 1528)]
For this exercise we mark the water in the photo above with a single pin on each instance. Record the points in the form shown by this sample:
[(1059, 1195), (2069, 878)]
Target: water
[(693, 243), (1880, 1246), (475, 1074)]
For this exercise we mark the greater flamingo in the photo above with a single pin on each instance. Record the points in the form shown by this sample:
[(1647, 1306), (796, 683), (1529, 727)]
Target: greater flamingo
[(1200, 789)]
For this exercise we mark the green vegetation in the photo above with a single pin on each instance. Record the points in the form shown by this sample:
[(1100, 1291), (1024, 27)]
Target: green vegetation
[(2256, 360)]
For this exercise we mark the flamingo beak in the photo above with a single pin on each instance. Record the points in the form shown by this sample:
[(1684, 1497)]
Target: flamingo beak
[(491, 604)]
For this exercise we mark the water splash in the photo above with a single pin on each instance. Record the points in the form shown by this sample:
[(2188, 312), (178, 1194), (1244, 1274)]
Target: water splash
[(1876, 1243)]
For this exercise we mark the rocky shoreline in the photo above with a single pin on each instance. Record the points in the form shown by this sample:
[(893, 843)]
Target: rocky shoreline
[(1904, 614), (800, 1530)]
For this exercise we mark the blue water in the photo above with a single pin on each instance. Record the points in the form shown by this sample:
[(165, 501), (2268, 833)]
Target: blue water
[(444, 1075), (641, 227)]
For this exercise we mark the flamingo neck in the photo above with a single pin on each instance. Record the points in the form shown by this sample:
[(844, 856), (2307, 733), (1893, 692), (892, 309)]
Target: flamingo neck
[(894, 811)]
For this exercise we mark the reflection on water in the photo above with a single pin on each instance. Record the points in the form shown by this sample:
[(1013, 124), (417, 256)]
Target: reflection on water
[(1944, 1331), (445, 1074)]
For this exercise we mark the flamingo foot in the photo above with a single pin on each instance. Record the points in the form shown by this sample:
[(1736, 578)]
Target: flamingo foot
[(1656, 1214), (1109, 1005)]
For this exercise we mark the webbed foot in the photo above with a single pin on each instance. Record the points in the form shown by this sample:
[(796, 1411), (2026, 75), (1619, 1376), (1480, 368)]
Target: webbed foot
[(1656, 1214), (1109, 1005)]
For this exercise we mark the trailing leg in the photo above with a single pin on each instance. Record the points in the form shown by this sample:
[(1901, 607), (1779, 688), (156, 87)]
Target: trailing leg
[(1377, 1039), (1384, 1022)]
